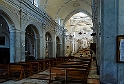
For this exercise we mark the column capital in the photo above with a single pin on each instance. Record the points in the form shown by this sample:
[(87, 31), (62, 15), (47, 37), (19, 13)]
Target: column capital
[(12, 28)]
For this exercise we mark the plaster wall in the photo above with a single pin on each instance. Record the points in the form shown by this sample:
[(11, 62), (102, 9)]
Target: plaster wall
[(120, 31)]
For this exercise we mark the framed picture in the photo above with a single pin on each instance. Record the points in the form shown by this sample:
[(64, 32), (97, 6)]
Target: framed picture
[(120, 48)]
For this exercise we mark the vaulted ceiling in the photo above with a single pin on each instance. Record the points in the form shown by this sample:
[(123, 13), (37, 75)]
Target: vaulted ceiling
[(66, 8)]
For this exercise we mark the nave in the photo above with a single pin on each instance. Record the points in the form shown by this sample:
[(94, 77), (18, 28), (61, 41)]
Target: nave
[(45, 72)]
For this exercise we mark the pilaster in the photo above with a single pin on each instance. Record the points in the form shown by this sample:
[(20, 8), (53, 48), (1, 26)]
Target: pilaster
[(37, 44), (22, 46), (120, 32), (15, 47), (108, 65), (54, 45)]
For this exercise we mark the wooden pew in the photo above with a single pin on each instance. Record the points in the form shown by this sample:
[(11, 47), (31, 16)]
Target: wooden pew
[(34, 67), (58, 60), (27, 68), (57, 73), (76, 75), (66, 75), (47, 63), (41, 64), (16, 68), (4, 70), (52, 62)]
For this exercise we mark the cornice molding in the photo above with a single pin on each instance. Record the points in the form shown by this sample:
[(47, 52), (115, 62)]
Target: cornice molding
[(28, 11)]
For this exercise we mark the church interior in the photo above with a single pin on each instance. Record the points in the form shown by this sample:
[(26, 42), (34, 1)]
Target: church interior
[(61, 42)]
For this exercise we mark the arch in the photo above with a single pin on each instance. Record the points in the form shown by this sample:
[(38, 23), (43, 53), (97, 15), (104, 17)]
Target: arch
[(9, 17), (5, 21), (48, 36), (79, 31), (32, 42), (77, 11), (74, 12), (13, 26), (58, 47), (60, 38), (57, 39), (49, 45), (37, 27), (4, 26), (34, 29)]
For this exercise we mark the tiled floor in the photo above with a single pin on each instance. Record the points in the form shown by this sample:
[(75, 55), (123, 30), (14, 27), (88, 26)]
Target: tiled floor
[(93, 78), (93, 81)]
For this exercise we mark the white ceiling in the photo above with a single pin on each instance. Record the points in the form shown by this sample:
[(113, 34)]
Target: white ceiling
[(65, 8)]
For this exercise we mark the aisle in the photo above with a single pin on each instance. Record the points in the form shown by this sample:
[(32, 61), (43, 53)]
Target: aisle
[(93, 77)]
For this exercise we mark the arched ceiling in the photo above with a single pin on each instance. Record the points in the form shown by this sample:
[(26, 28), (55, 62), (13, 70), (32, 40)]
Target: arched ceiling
[(63, 8)]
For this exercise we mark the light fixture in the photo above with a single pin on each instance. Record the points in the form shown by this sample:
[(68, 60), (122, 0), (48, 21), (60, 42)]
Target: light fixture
[(80, 33), (93, 34)]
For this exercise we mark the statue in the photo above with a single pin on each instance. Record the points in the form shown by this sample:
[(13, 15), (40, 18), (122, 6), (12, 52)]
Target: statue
[(46, 50)]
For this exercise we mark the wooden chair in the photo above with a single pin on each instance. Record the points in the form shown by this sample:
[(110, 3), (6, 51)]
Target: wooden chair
[(58, 74)]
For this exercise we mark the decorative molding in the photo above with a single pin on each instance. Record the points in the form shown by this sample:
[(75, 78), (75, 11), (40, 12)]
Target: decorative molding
[(13, 29), (14, 3), (27, 11)]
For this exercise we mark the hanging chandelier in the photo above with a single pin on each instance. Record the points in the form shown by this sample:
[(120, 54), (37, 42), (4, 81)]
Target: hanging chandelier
[(80, 33)]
